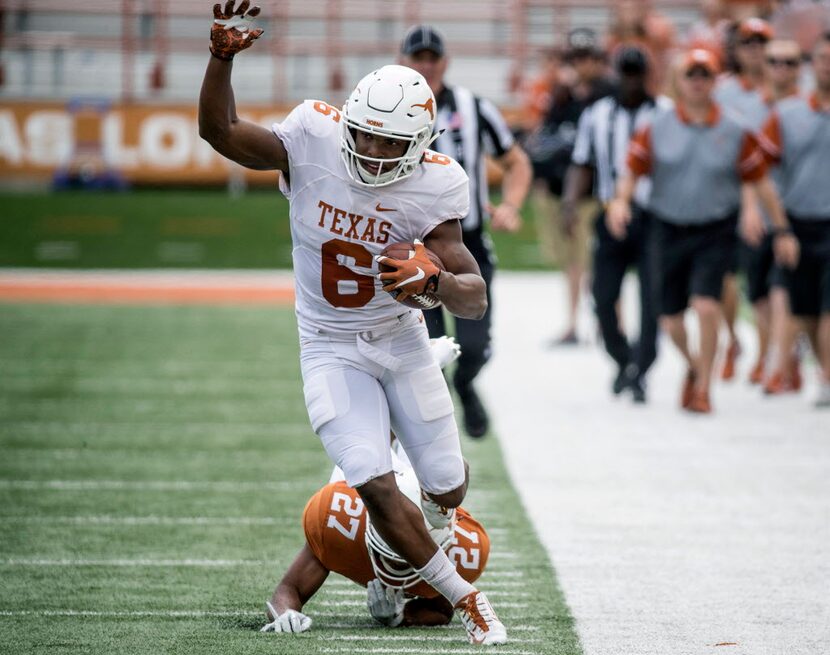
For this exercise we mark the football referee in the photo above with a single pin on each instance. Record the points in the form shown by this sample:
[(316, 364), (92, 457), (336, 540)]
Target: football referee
[(605, 130), (469, 128)]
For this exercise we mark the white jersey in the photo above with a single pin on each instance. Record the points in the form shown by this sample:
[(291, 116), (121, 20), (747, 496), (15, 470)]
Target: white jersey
[(338, 226)]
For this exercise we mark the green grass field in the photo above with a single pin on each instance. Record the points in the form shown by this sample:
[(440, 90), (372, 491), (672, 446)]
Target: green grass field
[(154, 464), (170, 228)]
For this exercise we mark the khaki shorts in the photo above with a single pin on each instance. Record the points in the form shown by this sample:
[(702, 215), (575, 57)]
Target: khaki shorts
[(558, 248)]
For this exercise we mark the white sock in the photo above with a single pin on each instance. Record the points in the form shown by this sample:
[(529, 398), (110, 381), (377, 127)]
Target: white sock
[(442, 576)]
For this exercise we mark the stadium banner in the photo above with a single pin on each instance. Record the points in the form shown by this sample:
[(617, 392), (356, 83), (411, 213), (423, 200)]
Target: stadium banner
[(141, 144)]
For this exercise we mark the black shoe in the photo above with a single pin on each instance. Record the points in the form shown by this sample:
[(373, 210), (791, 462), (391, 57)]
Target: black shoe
[(476, 421), (620, 382), (638, 389)]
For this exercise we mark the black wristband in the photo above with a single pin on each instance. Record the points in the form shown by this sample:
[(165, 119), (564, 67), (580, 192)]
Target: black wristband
[(220, 57), (778, 231)]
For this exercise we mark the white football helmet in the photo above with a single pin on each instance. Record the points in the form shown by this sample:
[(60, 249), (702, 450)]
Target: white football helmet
[(395, 102), (389, 567)]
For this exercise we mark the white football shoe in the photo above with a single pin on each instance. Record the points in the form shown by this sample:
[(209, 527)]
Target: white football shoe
[(482, 625), (823, 399), (438, 516)]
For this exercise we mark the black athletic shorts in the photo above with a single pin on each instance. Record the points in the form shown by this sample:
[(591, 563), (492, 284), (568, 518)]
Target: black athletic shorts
[(691, 260), (810, 285), (759, 266)]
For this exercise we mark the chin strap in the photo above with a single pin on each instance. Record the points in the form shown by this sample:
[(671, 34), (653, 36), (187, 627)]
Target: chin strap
[(432, 140)]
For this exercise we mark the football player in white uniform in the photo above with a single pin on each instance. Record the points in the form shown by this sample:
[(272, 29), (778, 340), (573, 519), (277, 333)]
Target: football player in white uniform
[(358, 179)]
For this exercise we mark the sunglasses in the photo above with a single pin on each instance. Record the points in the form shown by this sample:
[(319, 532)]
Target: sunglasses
[(789, 63), (753, 40), (700, 73)]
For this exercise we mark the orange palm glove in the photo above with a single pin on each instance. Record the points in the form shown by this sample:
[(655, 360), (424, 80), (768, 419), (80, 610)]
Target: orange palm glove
[(231, 30), (412, 276)]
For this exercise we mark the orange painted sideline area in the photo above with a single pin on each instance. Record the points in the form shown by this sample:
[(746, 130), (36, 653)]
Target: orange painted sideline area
[(147, 287)]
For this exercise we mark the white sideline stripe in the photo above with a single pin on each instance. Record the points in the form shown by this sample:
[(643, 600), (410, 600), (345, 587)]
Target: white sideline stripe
[(204, 563), (147, 485), (147, 520), (490, 573)]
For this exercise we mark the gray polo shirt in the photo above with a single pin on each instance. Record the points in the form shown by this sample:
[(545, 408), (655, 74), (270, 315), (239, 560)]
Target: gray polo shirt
[(734, 95), (797, 136), (696, 169)]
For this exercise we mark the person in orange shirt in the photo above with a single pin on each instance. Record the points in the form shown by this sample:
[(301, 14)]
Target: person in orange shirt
[(340, 538), (703, 163)]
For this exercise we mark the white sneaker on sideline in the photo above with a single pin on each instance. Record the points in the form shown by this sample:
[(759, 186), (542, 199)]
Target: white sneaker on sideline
[(823, 398), (482, 625)]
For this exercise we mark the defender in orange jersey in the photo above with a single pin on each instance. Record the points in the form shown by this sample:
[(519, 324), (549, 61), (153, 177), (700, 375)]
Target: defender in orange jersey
[(340, 538)]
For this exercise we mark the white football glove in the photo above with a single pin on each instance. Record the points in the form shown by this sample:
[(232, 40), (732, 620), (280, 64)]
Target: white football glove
[(445, 350), (288, 621), (385, 604)]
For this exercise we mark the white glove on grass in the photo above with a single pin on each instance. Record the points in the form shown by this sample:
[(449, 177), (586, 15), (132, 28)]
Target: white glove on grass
[(385, 604), (288, 621)]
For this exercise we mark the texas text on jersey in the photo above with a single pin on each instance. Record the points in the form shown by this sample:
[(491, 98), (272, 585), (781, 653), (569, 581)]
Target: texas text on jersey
[(337, 226), (334, 521)]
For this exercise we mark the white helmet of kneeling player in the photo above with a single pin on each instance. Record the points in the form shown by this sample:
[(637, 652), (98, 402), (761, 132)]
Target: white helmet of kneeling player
[(393, 102), (389, 567)]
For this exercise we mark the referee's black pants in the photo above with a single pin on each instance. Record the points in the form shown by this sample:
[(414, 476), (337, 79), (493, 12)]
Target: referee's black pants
[(612, 258), (472, 335)]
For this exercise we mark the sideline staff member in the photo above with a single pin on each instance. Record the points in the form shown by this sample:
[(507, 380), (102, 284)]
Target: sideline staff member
[(602, 140), (702, 163), (469, 127), (797, 135)]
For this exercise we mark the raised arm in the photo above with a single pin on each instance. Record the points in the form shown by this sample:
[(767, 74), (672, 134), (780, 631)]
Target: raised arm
[(241, 141)]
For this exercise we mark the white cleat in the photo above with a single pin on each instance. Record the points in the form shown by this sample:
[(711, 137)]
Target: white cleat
[(823, 398), (438, 516), (482, 625)]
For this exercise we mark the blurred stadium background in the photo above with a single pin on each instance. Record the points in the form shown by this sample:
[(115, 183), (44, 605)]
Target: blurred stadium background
[(100, 95), (154, 459)]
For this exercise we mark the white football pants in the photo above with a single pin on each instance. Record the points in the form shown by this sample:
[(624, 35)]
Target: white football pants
[(358, 387)]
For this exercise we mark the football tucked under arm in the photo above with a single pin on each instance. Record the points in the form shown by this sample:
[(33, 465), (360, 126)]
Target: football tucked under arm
[(411, 273)]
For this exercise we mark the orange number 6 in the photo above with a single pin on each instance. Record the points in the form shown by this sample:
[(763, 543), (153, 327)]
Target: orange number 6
[(436, 158), (327, 110), (359, 289)]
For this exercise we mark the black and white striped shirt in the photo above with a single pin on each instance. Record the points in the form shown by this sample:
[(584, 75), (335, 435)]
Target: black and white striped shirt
[(472, 127), (604, 132)]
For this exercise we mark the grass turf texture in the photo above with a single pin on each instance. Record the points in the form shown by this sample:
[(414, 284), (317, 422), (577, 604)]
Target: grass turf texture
[(171, 228), (154, 463)]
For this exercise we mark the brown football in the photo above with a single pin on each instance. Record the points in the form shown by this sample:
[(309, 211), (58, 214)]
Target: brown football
[(407, 251)]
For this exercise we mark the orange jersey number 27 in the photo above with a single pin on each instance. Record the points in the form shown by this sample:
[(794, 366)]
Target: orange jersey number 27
[(347, 508)]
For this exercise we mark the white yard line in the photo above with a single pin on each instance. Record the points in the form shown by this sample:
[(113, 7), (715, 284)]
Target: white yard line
[(405, 638), (147, 485), (197, 563), (361, 602), (466, 651), (670, 533), (148, 520), (173, 614)]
